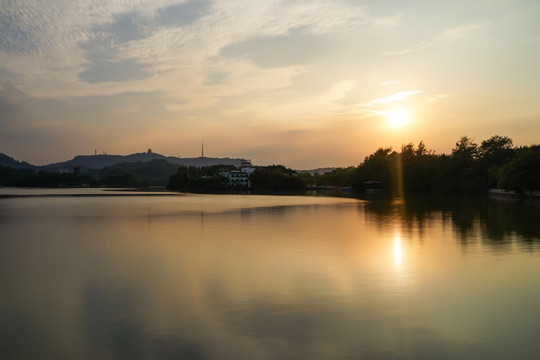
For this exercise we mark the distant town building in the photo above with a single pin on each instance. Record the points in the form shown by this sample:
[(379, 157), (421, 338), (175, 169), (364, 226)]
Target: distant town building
[(240, 178)]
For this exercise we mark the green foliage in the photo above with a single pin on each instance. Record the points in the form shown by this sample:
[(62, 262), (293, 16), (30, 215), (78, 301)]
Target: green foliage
[(159, 172), (497, 149), (495, 153), (203, 179), (276, 178), (307, 179), (469, 169), (118, 178), (341, 177), (522, 173), (422, 172), (465, 149), (152, 173), (13, 177), (377, 168), (30, 178)]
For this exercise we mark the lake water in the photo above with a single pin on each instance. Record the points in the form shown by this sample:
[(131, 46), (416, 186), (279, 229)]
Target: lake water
[(266, 277)]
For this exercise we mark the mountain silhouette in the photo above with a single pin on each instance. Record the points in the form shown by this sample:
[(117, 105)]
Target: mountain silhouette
[(15, 164), (102, 161)]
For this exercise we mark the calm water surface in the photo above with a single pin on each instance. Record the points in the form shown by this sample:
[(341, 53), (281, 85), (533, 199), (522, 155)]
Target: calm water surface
[(262, 277)]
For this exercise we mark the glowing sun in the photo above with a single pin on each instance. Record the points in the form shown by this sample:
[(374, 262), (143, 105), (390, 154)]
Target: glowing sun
[(397, 118)]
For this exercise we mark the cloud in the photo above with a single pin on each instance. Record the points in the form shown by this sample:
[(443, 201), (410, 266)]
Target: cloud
[(376, 107), (183, 13), (215, 77), (126, 27), (389, 82), (117, 41), (45, 41), (384, 23), (298, 47), (447, 35), (437, 97), (75, 124), (458, 32), (13, 36), (106, 71), (400, 96), (106, 53), (232, 63)]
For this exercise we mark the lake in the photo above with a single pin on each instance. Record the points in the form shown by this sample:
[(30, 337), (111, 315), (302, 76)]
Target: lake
[(91, 274)]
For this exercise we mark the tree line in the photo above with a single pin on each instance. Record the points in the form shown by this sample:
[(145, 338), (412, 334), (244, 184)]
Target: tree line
[(139, 174), (265, 179), (470, 168)]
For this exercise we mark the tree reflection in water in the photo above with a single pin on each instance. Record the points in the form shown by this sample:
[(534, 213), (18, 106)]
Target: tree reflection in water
[(497, 219)]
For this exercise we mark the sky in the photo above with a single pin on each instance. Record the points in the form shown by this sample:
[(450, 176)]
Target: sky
[(305, 84)]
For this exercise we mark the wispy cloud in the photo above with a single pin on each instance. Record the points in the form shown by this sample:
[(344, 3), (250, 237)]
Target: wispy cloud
[(86, 41), (126, 70), (377, 107), (389, 83), (400, 96), (458, 32), (437, 97), (447, 35), (384, 22)]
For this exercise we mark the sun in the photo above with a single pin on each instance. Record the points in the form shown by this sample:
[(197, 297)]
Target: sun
[(397, 118)]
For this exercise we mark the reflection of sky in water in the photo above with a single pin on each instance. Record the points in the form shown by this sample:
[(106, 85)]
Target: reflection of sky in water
[(228, 277)]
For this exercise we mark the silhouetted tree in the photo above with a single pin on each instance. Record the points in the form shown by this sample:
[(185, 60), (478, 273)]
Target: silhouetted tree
[(522, 173), (494, 153), (469, 169), (377, 168), (340, 177), (118, 178), (276, 178)]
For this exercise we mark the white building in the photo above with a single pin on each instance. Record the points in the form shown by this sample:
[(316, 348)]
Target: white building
[(240, 177)]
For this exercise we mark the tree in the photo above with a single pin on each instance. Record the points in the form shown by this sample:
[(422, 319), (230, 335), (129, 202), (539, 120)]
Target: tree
[(340, 177), (118, 178), (377, 168), (494, 153), (496, 146), (464, 170), (422, 150), (276, 178), (522, 173), (179, 180), (420, 167), (465, 148)]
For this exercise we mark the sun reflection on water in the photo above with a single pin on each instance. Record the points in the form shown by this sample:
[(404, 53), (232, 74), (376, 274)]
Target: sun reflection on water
[(398, 251)]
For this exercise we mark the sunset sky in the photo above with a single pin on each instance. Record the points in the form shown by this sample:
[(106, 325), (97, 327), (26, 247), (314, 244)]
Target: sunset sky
[(302, 83)]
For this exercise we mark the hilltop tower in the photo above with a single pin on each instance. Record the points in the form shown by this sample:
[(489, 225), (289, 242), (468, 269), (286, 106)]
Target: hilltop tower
[(202, 149)]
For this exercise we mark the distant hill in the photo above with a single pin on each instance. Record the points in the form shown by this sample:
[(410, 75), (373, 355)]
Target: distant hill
[(15, 164), (85, 162), (101, 161), (152, 173), (318, 171)]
